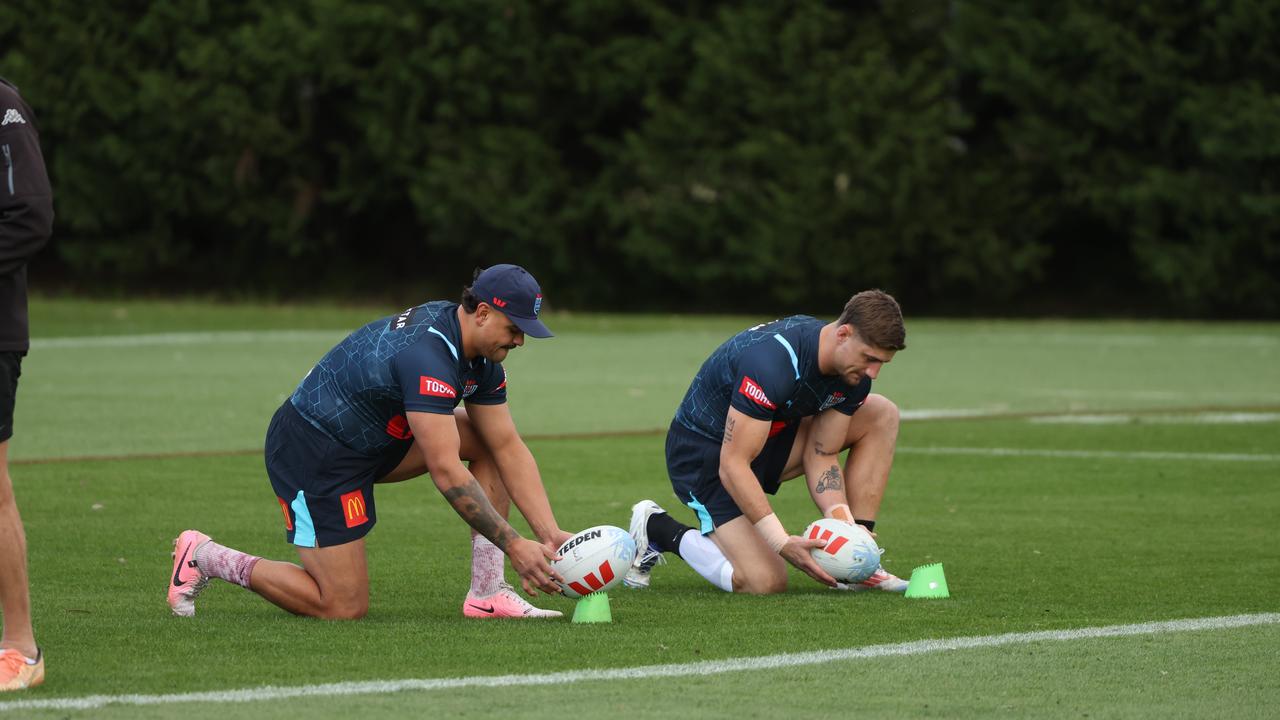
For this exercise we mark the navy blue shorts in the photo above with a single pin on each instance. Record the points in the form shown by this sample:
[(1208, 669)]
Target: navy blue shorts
[(693, 462), (10, 369), (325, 489)]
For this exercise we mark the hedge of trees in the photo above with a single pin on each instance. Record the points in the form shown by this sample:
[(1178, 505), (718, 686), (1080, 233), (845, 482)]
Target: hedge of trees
[(1080, 155)]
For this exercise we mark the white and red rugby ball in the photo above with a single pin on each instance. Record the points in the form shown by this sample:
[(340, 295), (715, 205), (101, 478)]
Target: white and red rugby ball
[(851, 555), (594, 560)]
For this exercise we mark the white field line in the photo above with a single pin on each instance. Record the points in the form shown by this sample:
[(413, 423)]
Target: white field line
[(1093, 454), (186, 338), (708, 667)]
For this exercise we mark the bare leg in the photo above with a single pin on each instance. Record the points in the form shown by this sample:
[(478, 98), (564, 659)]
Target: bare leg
[(15, 602), (873, 437), (757, 569), (488, 563), (333, 582)]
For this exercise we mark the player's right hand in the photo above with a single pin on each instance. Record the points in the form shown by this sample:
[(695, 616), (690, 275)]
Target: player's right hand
[(532, 561), (796, 552)]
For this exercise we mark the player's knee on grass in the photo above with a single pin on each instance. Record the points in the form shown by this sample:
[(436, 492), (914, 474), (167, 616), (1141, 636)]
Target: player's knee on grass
[(760, 582), (344, 607)]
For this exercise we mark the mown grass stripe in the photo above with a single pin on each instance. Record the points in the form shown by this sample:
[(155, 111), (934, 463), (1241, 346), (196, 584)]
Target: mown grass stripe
[(707, 667), (902, 450)]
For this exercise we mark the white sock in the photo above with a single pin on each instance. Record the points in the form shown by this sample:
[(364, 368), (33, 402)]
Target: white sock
[(705, 558), (487, 566)]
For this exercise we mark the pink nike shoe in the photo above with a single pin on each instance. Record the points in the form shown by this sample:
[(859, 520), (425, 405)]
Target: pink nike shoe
[(503, 604), (879, 580), (187, 581)]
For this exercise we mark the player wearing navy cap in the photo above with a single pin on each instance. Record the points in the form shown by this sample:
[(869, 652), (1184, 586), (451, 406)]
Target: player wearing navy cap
[(381, 407), (772, 403)]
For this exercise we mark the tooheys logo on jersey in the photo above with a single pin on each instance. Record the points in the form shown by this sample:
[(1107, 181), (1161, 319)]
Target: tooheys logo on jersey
[(436, 388), (832, 400), (399, 321), (753, 391)]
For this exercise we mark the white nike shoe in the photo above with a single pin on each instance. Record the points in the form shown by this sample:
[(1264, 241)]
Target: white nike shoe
[(505, 603), (647, 556), (879, 580)]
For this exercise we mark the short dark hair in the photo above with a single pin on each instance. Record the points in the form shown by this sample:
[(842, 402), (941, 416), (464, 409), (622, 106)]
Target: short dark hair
[(471, 301), (875, 315)]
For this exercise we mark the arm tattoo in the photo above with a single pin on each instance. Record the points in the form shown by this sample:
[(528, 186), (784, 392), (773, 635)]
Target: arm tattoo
[(830, 480), (471, 504), (728, 430)]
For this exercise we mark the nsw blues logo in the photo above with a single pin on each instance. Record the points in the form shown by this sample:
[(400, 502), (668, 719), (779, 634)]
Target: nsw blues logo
[(537, 304), (832, 400)]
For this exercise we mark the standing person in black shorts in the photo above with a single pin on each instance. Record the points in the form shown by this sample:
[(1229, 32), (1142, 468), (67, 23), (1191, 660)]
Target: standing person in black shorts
[(772, 403), (26, 222), (381, 407)]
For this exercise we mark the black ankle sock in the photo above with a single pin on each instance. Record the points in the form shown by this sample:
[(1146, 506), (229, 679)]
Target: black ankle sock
[(870, 525), (665, 533)]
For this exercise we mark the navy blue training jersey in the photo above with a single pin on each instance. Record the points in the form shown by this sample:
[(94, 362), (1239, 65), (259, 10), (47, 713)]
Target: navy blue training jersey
[(360, 390), (768, 372)]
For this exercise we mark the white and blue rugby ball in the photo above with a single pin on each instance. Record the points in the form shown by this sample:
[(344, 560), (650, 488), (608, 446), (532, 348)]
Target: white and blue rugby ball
[(851, 555), (594, 560)]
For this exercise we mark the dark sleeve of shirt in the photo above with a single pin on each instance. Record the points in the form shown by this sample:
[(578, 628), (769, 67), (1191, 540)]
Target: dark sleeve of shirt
[(26, 200), (492, 386), (763, 379), (855, 397), (429, 377)]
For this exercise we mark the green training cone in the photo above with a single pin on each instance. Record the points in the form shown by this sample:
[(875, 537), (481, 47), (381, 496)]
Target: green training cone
[(593, 608), (928, 581)]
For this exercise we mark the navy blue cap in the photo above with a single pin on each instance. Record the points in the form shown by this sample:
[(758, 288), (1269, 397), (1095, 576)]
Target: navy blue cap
[(511, 290)]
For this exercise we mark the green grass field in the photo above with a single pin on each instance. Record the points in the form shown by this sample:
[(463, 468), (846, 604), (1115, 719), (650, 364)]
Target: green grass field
[(1068, 476)]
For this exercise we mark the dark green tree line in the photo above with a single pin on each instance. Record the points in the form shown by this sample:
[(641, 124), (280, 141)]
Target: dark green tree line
[(967, 156)]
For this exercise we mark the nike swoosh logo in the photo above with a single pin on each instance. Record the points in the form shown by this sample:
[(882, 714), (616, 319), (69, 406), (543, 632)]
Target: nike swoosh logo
[(482, 608), (178, 568)]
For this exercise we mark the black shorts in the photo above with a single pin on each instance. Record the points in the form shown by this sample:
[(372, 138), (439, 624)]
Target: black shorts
[(693, 462), (10, 369), (325, 489)]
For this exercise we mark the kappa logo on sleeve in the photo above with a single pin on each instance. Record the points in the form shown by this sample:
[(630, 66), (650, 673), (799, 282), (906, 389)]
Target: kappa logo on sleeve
[(354, 510), (436, 388), (12, 116), (753, 391)]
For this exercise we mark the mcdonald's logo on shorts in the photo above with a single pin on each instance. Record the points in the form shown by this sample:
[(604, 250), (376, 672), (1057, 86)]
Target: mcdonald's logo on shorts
[(353, 508)]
